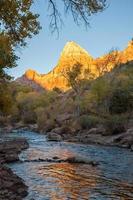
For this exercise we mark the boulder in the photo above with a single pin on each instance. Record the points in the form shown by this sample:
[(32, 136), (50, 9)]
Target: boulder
[(19, 125), (125, 139), (58, 130), (7, 129), (11, 186), (81, 159), (9, 150), (63, 117), (99, 130), (33, 127), (51, 136)]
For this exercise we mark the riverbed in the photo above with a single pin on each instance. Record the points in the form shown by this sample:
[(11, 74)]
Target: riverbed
[(48, 179)]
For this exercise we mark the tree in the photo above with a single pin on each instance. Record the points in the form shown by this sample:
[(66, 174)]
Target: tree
[(5, 100), (17, 23), (76, 77), (20, 22), (106, 63), (73, 76), (7, 56)]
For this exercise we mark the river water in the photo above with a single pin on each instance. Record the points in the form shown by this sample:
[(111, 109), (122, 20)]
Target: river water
[(112, 179)]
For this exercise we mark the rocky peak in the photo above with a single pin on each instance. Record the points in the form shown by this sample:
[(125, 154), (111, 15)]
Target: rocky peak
[(30, 74), (73, 48), (71, 54), (72, 51), (127, 54)]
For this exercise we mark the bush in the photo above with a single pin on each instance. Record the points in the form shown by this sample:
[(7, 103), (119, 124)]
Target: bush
[(41, 117), (6, 100), (15, 114), (3, 121), (115, 124), (88, 121), (121, 101), (58, 90), (29, 117), (45, 119)]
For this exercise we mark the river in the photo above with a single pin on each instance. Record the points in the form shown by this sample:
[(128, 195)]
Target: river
[(112, 179)]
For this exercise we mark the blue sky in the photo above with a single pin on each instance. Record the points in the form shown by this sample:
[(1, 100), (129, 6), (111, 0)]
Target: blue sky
[(112, 28)]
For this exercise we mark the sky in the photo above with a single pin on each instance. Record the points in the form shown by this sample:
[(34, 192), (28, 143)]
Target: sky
[(112, 28)]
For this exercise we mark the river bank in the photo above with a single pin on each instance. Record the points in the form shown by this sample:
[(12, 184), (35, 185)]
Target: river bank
[(11, 186), (48, 171), (96, 135)]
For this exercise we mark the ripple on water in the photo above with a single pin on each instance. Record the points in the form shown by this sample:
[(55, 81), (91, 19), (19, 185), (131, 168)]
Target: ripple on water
[(111, 180)]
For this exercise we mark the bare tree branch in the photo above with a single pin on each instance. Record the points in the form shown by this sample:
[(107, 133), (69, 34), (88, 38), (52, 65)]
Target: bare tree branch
[(55, 17), (81, 11)]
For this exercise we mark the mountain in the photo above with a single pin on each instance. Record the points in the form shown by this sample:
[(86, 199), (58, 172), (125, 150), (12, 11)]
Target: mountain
[(72, 54), (23, 80), (127, 54)]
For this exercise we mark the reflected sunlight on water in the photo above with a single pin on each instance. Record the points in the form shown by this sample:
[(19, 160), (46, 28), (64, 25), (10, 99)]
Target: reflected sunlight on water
[(111, 180), (70, 180)]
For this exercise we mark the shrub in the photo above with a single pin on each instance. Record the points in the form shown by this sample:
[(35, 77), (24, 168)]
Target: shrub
[(41, 117), (89, 121), (58, 90), (121, 101), (29, 117), (45, 119), (15, 114), (5, 100), (3, 120), (115, 124)]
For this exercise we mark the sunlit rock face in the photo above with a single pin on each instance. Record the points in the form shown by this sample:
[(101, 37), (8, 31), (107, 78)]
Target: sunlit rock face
[(28, 79), (72, 54), (30, 74), (127, 54)]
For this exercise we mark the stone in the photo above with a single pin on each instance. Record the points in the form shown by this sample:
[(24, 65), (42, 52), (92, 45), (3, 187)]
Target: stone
[(33, 127), (80, 159), (98, 130), (63, 117), (51, 136), (11, 186), (9, 150), (8, 183), (58, 130)]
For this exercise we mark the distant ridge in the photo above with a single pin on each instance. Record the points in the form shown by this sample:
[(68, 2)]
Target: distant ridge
[(23, 80), (70, 55)]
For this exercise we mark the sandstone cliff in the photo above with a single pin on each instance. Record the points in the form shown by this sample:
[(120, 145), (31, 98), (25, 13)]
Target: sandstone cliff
[(71, 54)]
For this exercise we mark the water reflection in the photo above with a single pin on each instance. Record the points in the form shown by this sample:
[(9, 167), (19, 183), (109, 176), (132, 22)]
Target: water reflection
[(64, 181), (111, 180)]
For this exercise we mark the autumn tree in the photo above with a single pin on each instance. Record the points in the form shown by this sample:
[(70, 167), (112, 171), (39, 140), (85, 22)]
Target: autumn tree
[(7, 56), (75, 76), (17, 23), (5, 100), (105, 64)]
